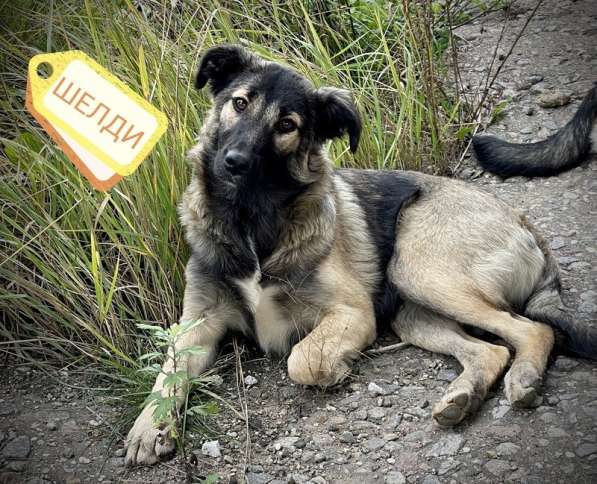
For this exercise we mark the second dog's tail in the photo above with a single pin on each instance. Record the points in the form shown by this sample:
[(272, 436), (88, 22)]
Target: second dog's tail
[(545, 305), (560, 152)]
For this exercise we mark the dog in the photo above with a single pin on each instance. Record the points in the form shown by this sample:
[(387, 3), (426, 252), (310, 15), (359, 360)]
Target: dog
[(309, 260), (562, 151)]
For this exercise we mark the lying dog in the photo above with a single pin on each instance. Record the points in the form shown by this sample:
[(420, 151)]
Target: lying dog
[(308, 260)]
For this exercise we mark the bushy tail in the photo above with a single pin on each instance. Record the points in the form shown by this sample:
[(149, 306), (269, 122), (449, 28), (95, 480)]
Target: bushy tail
[(545, 305), (560, 152)]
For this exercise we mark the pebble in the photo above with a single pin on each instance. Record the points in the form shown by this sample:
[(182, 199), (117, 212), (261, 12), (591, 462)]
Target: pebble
[(17, 448), (534, 79), (430, 479), (586, 449), (84, 460), (498, 467), (375, 390), (211, 449), (376, 414), (250, 380), (557, 243), (394, 477), (553, 99), (500, 412), (449, 445), (6, 410), (507, 449), (17, 465), (319, 458), (68, 452), (347, 437), (374, 443)]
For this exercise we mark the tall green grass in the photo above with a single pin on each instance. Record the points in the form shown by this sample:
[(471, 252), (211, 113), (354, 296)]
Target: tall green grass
[(79, 268)]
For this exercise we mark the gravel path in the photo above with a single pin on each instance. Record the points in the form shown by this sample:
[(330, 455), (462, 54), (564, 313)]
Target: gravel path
[(377, 427)]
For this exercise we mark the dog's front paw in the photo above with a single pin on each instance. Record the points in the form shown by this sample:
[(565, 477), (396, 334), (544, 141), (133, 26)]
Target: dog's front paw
[(146, 444), (308, 365)]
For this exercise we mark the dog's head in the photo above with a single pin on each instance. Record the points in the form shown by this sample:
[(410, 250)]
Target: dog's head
[(269, 121)]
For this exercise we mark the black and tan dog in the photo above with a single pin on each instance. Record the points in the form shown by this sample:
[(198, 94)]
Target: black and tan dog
[(308, 260)]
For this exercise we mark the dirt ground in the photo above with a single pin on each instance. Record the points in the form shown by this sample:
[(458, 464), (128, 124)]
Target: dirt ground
[(377, 427)]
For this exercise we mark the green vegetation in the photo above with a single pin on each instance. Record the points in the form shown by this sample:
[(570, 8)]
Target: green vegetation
[(79, 269), (168, 413)]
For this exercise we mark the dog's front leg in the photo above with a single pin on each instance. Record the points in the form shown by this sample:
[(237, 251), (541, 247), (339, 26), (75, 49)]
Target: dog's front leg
[(322, 358), (147, 443)]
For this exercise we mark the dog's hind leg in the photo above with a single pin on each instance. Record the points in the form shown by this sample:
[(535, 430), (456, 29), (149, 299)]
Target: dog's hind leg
[(482, 362), (531, 340)]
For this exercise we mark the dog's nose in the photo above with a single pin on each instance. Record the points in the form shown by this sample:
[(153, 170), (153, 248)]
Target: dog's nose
[(236, 162)]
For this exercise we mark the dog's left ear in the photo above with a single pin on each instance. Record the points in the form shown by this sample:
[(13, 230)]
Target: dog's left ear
[(337, 115), (220, 64)]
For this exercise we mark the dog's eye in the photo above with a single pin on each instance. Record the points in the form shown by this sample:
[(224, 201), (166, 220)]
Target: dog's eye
[(240, 104), (286, 125)]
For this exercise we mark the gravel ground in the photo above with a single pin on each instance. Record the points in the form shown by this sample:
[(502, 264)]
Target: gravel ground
[(377, 428)]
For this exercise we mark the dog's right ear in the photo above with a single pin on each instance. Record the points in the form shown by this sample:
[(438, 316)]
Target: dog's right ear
[(220, 65)]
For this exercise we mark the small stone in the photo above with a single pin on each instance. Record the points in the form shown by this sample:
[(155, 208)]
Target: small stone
[(448, 465), (549, 417), (556, 432), (529, 110), (507, 449), (115, 462), (257, 478), (84, 460), (17, 448), (586, 449), (51, 425), (211, 449), (374, 443), (347, 437), (501, 411), (498, 467), (587, 307), (319, 458), (446, 374), (391, 437), (534, 79), (250, 380), (395, 477), (565, 364), (17, 465), (68, 452), (7, 409), (70, 427), (526, 130), (119, 452), (553, 99), (557, 243), (448, 445), (376, 414), (430, 479), (375, 390)]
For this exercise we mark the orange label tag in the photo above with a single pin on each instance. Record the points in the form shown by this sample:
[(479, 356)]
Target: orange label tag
[(103, 127)]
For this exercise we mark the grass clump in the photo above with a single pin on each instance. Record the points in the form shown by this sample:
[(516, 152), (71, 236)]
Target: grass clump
[(79, 269)]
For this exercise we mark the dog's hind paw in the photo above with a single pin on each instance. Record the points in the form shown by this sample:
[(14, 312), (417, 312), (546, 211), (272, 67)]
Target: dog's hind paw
[(522, 384), (147, 445), (455, 406)]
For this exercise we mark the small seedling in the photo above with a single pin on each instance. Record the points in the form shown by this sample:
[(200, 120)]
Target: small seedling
[(171, 405)]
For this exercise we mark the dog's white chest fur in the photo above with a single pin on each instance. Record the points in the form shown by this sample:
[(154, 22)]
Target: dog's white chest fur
[(272, 328)]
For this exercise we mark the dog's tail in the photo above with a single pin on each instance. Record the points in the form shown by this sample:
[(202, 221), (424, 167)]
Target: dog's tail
[(560, 152), (545, 305)]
